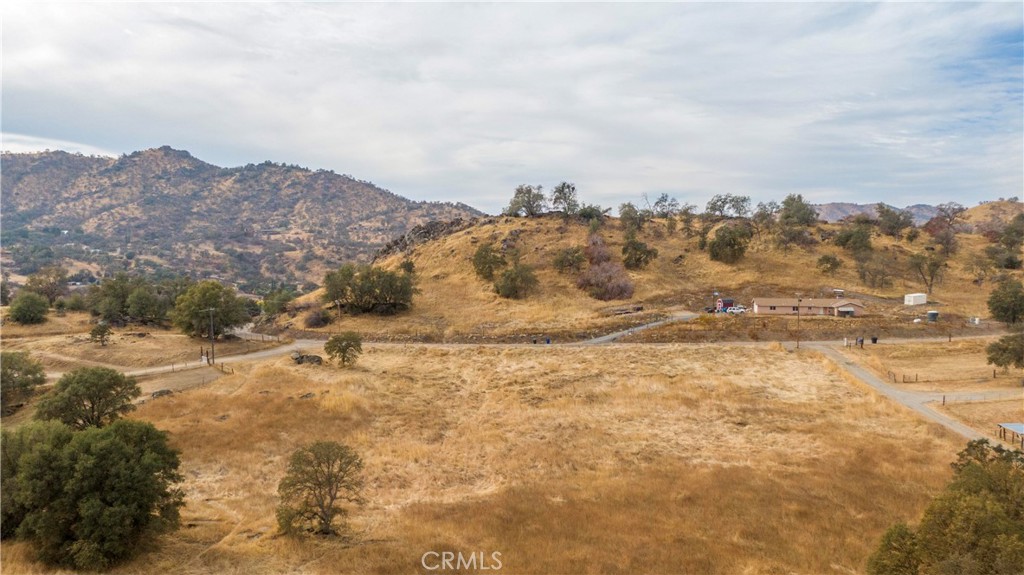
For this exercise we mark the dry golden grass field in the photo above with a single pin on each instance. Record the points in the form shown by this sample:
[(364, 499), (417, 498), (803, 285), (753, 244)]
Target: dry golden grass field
[(611, 459), (938, 366), (63, 342)]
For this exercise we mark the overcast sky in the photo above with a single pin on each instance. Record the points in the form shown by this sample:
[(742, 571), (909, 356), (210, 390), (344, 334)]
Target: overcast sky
[(902, 103)]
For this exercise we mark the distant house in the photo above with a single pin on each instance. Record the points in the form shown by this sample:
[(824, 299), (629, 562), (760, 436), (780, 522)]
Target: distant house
[(808, 306)]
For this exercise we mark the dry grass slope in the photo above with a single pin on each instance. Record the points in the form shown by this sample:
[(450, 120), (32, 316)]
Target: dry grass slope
[(663, 459), (456, 305)]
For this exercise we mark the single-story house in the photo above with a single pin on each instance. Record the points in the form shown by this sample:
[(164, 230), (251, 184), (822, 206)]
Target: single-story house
[(808, 306)]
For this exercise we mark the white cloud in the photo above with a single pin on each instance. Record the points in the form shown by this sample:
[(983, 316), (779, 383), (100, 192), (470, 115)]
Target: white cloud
[(464, 101)]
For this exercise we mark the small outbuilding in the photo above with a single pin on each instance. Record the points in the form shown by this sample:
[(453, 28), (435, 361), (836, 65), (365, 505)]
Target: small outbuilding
[(915, 299)]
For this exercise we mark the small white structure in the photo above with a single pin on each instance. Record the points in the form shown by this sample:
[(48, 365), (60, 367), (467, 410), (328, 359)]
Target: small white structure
[(915, 299)]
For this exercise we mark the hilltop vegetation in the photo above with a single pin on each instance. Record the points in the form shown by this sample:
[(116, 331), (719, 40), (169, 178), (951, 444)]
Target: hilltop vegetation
[(680, 260), (162, 210)]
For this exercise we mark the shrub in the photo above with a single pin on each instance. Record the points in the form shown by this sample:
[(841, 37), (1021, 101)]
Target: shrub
[(315, 319), (596, 250), (606, 281), (29, 308), (100, 333), (829, 264), (516, 282), (486, 261), (570, 260), (344, 347), (591, 213), (855, 238), (636, 254)]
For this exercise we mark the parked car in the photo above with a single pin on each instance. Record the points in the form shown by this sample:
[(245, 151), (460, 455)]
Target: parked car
[(709, 309), (736, 310)]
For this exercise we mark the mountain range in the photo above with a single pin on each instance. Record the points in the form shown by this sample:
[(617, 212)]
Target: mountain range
[(162, 210), (836, 211)]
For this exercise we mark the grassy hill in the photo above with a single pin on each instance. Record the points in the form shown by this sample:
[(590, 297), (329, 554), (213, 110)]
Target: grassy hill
[(162, 209), (454, 304)]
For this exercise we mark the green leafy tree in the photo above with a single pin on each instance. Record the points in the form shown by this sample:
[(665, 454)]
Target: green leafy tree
[(486, 261), (100, 333), (88, 499), (50, 282), (665, 206), (89, 397), (277, 300), (897, 554), (19, 376), (637, 255), (5, 292), (527, 201), (563, 198), (29, 308), (632, 219), (321, 477), (592, 213), (191, 311), (729, 244), (829, 264), (1012, 236), (1006, 302), (928, 268), (344, 347), (854, 238), (144, 306), (368, 289), (338, 285), (1007, 351), (951, 214), (796, 212), (728, 205), (875, 270), (765, 216), (42, 437), (516, 282), (975, 526), (892, 222)]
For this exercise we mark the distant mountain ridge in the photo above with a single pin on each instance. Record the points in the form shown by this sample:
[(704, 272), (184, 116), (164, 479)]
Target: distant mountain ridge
[(835, 211), (163, 209)]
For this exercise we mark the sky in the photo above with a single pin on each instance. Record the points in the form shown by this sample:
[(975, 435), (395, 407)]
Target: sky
[(903, 103)]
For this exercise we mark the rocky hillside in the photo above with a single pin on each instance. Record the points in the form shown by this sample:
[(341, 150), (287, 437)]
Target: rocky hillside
[(162, 209), (835, 211)]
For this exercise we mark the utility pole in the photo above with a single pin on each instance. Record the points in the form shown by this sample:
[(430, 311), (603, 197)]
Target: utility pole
[(799, 299), (212, 358)]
